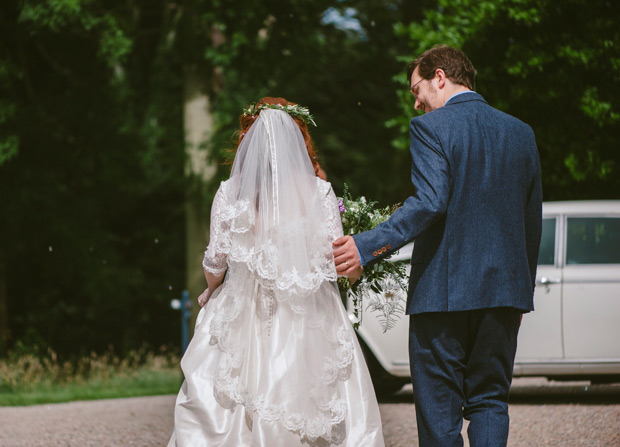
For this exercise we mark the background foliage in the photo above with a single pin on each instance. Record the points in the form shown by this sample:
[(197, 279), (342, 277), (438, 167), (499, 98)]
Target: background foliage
[(92, 144)]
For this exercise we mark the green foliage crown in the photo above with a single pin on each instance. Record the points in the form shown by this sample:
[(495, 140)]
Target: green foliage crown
[(295, 110)]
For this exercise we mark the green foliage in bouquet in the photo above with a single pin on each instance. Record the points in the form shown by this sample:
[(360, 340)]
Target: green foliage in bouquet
[(383, 284)]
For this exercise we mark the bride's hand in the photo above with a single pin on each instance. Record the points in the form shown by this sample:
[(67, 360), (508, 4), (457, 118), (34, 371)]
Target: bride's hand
[(204, 297), (356, 274)]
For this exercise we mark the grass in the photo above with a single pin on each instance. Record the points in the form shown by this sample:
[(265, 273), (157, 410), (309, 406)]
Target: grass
[(29, 379)]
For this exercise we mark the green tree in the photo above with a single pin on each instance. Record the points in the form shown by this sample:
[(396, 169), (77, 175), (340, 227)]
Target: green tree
[(551, 63), (91, 200)]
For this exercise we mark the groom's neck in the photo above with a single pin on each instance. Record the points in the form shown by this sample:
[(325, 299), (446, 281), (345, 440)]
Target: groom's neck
[(451, 89)]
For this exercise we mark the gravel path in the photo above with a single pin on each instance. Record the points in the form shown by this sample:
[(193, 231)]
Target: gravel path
[(542, 414), (135, 422)]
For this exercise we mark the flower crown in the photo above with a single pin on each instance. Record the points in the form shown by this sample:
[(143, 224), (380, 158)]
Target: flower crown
[(296, 111)]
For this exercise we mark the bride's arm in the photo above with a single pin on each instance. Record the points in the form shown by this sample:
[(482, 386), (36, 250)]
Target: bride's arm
[(334, 224), (214, 281), (214, 262)]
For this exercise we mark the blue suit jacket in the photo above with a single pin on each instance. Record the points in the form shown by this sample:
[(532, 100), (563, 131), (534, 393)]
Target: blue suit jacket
[(475, 214)]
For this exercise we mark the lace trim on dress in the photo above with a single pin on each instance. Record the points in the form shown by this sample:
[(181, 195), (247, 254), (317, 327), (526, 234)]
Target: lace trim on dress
[(227, 216)]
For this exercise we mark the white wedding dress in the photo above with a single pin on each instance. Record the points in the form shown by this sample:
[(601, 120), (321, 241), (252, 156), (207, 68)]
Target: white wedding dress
[(274, 360)]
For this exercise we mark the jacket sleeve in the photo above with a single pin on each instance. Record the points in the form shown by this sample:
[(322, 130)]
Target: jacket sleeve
[(430, 175), (533, 216)]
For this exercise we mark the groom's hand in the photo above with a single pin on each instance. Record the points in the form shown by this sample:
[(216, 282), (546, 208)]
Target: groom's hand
[(346, 257)]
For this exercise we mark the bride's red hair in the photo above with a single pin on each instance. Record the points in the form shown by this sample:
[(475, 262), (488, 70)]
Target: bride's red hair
[(246, 122)]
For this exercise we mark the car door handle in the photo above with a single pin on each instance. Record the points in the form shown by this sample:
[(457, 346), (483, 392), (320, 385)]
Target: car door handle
[(544, 280)]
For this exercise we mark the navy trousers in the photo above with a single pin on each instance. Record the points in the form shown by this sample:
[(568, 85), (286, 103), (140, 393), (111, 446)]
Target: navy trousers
[(461, 367)]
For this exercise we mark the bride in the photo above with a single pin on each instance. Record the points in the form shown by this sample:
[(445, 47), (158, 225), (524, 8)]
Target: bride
[(274, 361)]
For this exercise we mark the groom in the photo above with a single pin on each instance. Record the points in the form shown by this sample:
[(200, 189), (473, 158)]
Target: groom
[(475, 216)]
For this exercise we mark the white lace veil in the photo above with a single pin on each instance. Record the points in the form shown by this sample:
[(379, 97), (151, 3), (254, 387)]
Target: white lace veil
[(278, 227)]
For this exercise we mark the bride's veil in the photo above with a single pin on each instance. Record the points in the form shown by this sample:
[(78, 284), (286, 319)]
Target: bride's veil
[(279, 229)]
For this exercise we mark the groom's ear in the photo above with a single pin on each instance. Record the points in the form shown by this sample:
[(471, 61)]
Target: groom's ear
[(440, 75)]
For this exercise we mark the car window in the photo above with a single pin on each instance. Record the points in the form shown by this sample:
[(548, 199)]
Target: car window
[(546, 254), (593, 240)]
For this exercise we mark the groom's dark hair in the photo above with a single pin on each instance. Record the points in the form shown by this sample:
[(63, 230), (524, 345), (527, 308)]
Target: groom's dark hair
[(452, 61)]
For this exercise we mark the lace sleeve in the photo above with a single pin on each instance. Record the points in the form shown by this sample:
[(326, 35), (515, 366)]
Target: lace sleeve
[(332, 211), (216, 253)]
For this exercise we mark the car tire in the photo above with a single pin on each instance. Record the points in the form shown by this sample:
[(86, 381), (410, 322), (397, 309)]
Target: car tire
[(384, 383)]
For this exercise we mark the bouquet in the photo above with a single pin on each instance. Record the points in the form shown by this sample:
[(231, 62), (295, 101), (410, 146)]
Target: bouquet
[(383, 285)]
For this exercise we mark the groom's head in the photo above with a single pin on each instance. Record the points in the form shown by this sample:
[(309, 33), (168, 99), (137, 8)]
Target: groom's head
[(438, 74)]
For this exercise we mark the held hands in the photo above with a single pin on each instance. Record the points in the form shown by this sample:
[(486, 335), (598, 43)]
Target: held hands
[(204, 297), (347, 258)]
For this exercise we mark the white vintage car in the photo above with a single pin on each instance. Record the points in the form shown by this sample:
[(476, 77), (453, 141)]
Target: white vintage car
[(574, 331)]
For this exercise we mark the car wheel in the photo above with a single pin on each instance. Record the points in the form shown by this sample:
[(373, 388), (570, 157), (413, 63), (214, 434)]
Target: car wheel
[(385, 384)]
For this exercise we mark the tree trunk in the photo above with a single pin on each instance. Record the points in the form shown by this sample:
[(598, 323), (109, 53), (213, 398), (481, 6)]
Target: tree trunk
[(198, 124)]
